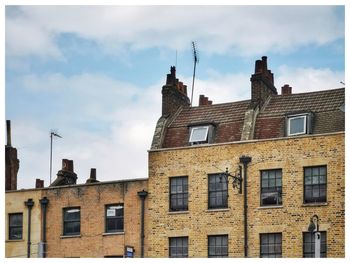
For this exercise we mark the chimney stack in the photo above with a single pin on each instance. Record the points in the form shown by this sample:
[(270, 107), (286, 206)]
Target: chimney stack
[(92, 178), (39, 183), (286, 90), (262, 83), (66, 175), (203, 100), (174, 94), (11, 161)]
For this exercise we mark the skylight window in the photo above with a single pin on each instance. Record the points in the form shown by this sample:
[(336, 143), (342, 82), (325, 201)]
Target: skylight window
[(199, 134)]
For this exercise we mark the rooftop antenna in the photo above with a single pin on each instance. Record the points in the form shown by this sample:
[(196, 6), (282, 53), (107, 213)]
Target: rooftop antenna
[(52, 134), (195, 61)]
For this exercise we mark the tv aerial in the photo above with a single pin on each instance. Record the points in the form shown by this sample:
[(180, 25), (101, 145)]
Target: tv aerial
[(195, 61)]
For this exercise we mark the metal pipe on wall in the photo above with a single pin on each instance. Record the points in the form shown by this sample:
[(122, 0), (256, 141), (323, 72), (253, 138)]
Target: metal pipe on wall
[(142, 194), (29, 203), (44, 202), (245, 160)]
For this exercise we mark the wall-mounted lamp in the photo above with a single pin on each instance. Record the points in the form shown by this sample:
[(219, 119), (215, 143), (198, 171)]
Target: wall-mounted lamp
[(236, 179)]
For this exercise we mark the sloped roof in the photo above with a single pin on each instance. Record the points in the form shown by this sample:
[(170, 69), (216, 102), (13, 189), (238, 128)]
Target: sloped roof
[(319, 101), (270, 122)]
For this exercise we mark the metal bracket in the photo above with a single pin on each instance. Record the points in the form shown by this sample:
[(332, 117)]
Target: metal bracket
[(236, 179)]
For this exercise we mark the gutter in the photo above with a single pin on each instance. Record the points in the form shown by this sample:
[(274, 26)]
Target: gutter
[(245, 160), (29, 203), (44, 202), (142, 194)]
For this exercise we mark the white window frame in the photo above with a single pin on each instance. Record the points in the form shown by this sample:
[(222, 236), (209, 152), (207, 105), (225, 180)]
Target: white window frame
[(196, 128), (296, 117)]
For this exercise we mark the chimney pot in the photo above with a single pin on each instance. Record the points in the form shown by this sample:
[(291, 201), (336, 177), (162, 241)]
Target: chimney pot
[(93, 173), (8, 127), (203, 100), (39, 183), (286, 90)]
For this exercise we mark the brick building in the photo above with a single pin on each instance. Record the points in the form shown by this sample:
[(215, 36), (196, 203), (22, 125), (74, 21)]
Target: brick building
[(95, 219), (244, 179)]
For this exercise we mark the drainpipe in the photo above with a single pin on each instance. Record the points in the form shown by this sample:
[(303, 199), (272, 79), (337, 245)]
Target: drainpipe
[(44, 202), (29, 204), (245, 160), (142, 194)]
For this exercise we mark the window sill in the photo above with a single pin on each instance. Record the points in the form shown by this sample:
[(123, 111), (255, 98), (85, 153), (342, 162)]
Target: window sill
[(270, 206), (14, 240), (314, 204), (70, 236), (178, 212), (218, 210), (113, 233)]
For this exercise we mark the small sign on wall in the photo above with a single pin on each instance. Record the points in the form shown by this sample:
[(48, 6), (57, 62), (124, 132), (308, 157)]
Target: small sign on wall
[(129, 252)]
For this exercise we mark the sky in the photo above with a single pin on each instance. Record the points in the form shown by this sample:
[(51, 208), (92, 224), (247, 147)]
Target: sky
[(94, 74)]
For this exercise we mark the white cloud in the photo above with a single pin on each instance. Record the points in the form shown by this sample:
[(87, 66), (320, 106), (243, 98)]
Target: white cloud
[(128, 115), (219, 29), (308, 79)]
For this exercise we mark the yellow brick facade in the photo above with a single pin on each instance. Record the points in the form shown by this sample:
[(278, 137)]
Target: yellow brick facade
[(15, 204), (93, 241), (291, 219)]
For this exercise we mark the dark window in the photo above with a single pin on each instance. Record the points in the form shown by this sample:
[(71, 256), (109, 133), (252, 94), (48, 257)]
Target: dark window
[(178, 247), (71, 221), (271, 187), (218, 246), (15, 226), (114, 218), (309, 244), (217, 191), (179, 193), (315, 184), (271, 245)]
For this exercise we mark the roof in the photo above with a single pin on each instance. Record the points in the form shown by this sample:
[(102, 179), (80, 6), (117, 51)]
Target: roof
[(229, 118)]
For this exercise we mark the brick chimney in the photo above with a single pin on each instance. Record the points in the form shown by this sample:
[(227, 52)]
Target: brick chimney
[(262, 83), (39, 183), (174, 94), (203, 100), (286, 90), (66, 175), (92, 178), (11, 162)]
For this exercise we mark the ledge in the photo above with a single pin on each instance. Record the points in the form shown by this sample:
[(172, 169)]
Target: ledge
[(270, 207), (314, 204), (14, 240), (218, 210), (72, 236), (113, 233), (178, 212)]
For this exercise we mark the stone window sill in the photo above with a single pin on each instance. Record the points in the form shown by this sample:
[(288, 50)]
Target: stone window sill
[(14, 240), (270, 207), (113, 233), (218, 210), (70, 236), (178, 212), (314, 204)]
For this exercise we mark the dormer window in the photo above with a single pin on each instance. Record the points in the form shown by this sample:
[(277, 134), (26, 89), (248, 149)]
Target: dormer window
[(299, 124), (201, 134)]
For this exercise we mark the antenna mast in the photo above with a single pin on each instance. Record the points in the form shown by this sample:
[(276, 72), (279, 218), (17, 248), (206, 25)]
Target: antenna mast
[(195, 61), (52, 133)]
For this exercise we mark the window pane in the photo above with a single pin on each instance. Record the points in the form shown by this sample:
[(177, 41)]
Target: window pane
[(271, 245), (199, 134), (297, 125), (315, 185), (178, 247), (218, 246), (217, 191)]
